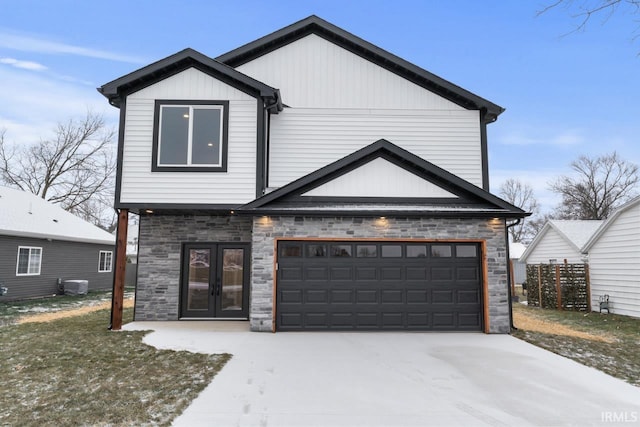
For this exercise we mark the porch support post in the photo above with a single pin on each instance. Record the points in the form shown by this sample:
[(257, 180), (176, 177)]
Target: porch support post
[(117, 299)]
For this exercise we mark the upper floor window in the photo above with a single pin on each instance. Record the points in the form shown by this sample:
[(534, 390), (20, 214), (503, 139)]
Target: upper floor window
[(190, 136), (104, 261), (29, 261)]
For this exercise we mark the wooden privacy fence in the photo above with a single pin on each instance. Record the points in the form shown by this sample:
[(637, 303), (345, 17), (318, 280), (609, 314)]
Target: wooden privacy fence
[(559, 286)]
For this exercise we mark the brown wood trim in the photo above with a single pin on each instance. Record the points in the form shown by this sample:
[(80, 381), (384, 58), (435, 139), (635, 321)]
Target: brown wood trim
[(485, 287), (117, 297), (275, 284)]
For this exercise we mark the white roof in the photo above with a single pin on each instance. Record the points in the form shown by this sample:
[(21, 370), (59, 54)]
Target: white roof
[(516, 249), (27, 215), (575, 231)]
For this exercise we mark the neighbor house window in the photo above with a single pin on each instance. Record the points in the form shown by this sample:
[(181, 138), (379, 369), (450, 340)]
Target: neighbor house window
[(29, 261), (104, 262), (190, 136)]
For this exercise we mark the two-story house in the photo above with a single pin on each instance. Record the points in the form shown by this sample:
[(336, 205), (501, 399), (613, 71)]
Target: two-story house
[(310, 180)]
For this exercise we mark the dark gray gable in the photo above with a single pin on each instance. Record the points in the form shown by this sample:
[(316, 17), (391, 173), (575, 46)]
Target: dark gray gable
[(386, 60), (187, 58), (469, 201)]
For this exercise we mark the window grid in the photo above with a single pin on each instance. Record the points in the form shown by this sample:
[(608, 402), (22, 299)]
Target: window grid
[(29, 261), (104, 261)]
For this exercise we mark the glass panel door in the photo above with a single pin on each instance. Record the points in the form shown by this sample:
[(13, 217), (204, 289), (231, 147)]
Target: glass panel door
[(215, 281), (196, 286)]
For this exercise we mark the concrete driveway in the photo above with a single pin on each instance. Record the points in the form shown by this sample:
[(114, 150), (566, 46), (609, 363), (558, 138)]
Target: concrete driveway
[(391, 379)]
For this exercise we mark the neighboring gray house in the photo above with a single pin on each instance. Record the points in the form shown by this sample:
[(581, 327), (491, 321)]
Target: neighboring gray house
[(516, 249), (310, 180), (614, 260), (42, 245), (560, 240)]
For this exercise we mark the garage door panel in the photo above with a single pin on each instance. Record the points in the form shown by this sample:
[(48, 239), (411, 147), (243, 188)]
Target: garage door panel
[(291, 320), (442, 273), (444, 320), (392, 319), (417, 320), (416, 273), (376, 285), (315, 296), (367, 320), (391, 296), (468, 297), (341, 273), (291, 296), (366, 296), (342, 320), (340, 296), (442, 296), (316, 320), (291, 273), (390, 273), (316, 273), (417, 296), (366, 273), (469, 320), (467, 273)]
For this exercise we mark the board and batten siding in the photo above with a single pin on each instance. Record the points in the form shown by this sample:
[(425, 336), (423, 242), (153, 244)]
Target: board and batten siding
[(313, 72), (614, 264), (60, 259), (237, 185), (553, 246), (379, 178), (306, 139)]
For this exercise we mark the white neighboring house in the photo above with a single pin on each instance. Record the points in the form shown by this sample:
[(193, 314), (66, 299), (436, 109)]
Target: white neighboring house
[(560, 240), (42, 245), (614, 260)]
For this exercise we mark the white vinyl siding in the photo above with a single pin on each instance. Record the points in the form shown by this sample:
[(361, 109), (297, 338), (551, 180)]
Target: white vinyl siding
[(313, 72), (554, 246), (614, 263), (379, 178), (237, 185), (303, 140)]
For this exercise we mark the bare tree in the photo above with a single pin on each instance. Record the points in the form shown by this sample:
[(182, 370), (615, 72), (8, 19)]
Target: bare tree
[(599, 186), (521, 195), (588, 9), (75, 168)]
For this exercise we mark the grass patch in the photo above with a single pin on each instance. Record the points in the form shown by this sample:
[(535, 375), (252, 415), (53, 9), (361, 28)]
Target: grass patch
[(620, 358), (10, 311), (74, 371)]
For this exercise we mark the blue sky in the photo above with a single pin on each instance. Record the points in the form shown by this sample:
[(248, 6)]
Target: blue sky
[(565, 95)]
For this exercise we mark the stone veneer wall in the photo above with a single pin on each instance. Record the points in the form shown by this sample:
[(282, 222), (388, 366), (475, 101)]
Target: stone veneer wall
[(266, 229), (159, 250)]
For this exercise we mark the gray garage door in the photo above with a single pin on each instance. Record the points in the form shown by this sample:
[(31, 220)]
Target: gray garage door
[(378, 285)]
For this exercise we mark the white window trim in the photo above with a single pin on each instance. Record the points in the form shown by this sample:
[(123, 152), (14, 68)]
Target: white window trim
[(108, 270), (28, 261), (190, 135)]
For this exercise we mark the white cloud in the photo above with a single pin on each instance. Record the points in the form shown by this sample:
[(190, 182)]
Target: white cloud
[(27, 65), (34, 43), (33, 103)]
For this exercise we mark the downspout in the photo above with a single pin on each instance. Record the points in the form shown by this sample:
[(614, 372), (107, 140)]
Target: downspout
[(510, 297)]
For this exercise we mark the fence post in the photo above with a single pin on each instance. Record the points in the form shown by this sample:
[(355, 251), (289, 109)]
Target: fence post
[(588, 283), (539, 286), (558, 288)]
